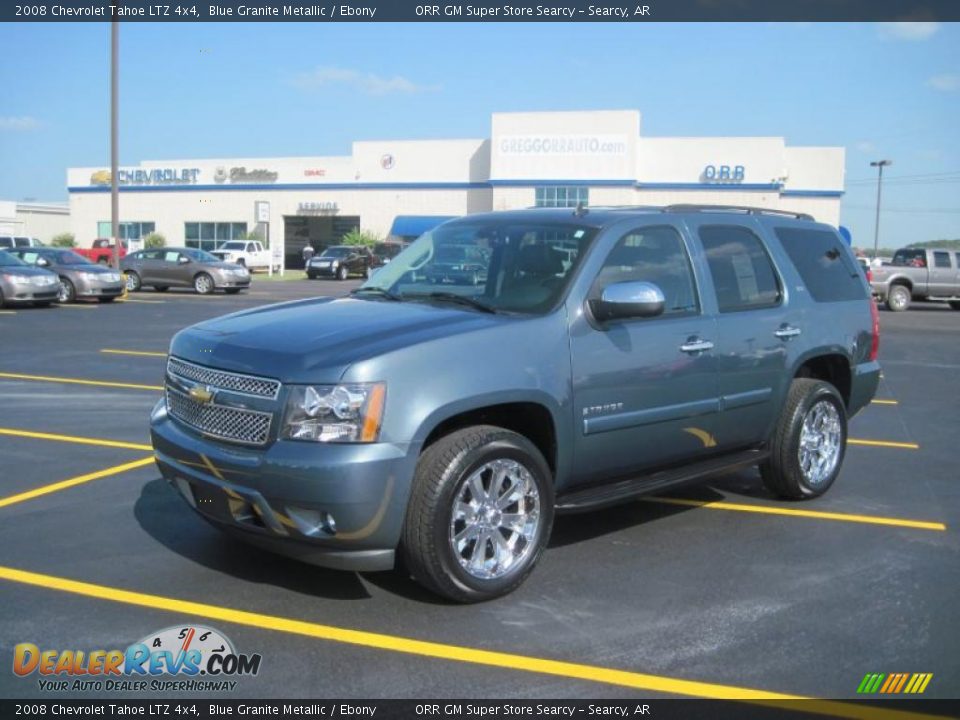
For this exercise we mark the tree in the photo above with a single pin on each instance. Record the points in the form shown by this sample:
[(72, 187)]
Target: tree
[(154, 240), (66, 239), (360, 237)]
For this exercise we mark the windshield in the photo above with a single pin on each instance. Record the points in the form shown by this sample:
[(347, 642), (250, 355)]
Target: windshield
[(233, 245), (910, 258), (505, 265), (387, 250), (6, 259), (67, 257), (336, 252), (200, 256)]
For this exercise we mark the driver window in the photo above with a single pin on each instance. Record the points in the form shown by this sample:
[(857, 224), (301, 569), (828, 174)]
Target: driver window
[(656, 255)]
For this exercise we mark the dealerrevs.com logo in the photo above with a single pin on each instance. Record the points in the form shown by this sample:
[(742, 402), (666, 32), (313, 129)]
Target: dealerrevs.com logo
[(181, 658)]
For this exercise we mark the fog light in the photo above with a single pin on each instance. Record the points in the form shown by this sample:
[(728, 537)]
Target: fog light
[(312, 523)]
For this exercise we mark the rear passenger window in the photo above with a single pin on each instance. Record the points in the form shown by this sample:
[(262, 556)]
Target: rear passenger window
[(824, 265), (941, 259), (655, 255), (742, 272)]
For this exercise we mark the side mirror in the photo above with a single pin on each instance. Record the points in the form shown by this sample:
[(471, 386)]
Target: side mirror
[(633, 299), (183, 260), (43, 262)]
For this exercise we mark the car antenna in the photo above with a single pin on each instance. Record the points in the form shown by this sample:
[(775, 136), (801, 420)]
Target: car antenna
[(581, 209)]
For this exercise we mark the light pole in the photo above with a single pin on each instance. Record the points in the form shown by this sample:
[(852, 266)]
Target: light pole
[(880, 165), (114, 144)]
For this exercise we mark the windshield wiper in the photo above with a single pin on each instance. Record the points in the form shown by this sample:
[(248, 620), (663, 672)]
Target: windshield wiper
[(377, 291), (454, 297)]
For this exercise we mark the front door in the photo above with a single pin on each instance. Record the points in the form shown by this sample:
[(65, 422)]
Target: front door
[(644, 389)]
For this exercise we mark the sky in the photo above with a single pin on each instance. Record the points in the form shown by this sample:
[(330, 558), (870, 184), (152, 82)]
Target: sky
[(206, 90)]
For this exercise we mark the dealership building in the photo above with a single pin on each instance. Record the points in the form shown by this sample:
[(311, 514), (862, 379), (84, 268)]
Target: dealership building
[(401, 187)]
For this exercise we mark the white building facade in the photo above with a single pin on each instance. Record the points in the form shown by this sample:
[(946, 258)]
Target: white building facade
[(38, 220), (543, 158)]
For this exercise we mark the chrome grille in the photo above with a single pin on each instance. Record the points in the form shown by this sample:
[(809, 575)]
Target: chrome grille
[(222, 380), (226, 423)]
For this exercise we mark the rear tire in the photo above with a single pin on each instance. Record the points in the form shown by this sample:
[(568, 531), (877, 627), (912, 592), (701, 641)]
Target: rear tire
[(103, 261), (133, 281), (898, 298), (311, 276), (809, 442), (479, 515), (203, 284)]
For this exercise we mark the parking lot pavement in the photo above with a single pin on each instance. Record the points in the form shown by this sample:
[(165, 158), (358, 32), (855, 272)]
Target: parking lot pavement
[(719, 585)]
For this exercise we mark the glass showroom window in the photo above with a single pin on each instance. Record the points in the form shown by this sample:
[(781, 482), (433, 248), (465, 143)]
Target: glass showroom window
[(211, 235), (562, 196), (128, 230)]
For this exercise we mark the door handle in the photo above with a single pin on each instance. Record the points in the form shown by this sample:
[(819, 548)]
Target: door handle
[(696, 345), (786, 332)]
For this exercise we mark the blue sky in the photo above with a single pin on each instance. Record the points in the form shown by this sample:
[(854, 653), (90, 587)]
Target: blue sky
[(208, 90)]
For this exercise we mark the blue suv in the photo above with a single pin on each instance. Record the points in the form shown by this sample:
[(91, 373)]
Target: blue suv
[(598, 354)]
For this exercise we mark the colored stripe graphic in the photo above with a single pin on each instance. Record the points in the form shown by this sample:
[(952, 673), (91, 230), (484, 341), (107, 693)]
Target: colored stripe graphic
[(894, 683)]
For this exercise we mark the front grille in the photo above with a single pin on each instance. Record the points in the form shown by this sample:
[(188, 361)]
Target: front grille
[(226, 423), (234, 382)]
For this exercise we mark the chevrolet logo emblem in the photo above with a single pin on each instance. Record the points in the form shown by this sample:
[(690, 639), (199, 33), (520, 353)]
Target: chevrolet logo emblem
[(201, 394)]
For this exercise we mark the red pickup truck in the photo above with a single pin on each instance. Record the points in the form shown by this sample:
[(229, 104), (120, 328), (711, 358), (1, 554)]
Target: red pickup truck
[(102, 251)]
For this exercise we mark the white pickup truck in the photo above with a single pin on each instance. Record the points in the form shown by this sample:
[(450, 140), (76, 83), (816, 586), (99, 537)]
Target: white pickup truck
[(249, 253)]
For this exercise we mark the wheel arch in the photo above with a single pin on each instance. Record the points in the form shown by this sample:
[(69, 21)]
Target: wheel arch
[(829, 365)]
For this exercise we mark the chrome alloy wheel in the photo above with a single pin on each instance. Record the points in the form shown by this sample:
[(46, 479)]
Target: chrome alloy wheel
[(203, 284), (63, 294), (495, 520), (820, 440)]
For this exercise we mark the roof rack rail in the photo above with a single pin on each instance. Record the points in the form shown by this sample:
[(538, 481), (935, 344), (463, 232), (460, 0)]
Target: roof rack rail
[(736, 208)]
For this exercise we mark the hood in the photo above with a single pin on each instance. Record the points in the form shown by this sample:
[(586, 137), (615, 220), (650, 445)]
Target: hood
[(317, 340), (92, 268), (24, 270), (221, 265)]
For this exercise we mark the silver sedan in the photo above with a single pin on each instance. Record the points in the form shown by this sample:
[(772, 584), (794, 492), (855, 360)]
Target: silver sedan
[(20, 283)]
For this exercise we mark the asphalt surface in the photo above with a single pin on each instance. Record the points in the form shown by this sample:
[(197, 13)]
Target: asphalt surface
[(755, 600)]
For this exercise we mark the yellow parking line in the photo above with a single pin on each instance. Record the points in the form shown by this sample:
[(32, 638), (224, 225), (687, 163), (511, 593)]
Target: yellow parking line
[(79, 480), (8, 312), (454, 653), (143, 353), (885, 402), (78, 306), (78, 381), (792, 512), (146, 302), (883, 443), (12, 432)]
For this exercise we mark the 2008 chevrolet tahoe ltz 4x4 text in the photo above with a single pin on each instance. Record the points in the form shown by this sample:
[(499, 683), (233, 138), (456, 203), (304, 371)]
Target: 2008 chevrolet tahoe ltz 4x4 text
[(604, 354)]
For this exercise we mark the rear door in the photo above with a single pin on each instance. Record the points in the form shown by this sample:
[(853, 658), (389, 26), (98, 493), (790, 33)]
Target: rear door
[(147, 265), (754, 327), (644, 389), (943, 275)]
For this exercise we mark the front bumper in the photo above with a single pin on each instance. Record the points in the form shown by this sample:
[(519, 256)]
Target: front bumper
[(229, 281), (27, 293), (326, 271), (98, 288), (336, 505)]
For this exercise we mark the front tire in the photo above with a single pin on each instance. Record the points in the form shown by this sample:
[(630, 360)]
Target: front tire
[(898, 298), (479, 515), (809, 442), (342, 272), (955, 304), (203, 284), (68, 293)]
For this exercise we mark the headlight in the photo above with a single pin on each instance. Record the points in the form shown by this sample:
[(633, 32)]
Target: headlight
[(93, 277), (334, 413), (41, 280), (334, 263)]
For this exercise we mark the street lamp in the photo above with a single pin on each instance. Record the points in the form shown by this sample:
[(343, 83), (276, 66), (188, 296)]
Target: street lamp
[(114, 144), (880, 165)]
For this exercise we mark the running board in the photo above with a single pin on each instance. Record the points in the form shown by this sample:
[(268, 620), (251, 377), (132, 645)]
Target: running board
[(600, 496)]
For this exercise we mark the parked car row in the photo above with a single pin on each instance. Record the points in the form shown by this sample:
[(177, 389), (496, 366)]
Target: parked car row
[(342, 261), (42, 275), (8, 242)]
